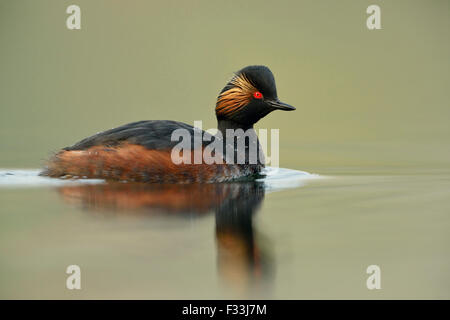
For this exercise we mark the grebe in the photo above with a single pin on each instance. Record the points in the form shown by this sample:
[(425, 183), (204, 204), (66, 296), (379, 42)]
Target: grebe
[(141, 151)]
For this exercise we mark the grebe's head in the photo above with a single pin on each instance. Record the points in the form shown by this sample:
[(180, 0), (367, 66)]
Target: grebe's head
[(249, 96)]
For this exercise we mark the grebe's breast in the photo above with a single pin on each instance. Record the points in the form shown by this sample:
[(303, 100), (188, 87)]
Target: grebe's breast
[(142, 151)]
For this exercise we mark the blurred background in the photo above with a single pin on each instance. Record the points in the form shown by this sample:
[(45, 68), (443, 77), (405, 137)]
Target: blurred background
[(372, 111), (363, 97)]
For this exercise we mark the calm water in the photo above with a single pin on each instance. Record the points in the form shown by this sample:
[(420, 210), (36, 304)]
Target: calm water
[(291, 235), (372, 121)]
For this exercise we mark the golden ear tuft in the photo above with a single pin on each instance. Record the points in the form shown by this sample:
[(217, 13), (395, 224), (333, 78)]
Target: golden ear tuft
[(235, 98)]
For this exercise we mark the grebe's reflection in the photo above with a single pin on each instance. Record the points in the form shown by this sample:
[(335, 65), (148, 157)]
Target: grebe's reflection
[(242, 260)]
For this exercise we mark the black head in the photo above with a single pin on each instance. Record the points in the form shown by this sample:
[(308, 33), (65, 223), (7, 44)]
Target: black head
[(249, 96)]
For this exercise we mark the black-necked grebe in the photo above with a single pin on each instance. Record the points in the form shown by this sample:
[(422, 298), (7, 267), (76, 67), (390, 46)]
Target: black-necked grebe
[(142, 151)]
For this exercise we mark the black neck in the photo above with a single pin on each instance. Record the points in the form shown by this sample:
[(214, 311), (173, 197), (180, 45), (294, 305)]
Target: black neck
[(223, 125)]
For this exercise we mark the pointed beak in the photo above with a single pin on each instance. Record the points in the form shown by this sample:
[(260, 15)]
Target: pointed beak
[(277, 104)]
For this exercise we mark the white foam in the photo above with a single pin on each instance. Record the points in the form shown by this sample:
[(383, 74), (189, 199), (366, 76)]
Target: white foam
[(22, 178), (275, 179), (280, 178)]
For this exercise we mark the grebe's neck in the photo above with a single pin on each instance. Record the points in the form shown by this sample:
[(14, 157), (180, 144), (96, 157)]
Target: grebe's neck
[(243, 143), (223, 125)]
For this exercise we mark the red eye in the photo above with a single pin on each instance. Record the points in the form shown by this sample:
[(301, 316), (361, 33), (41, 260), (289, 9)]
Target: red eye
[(257, 95)]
